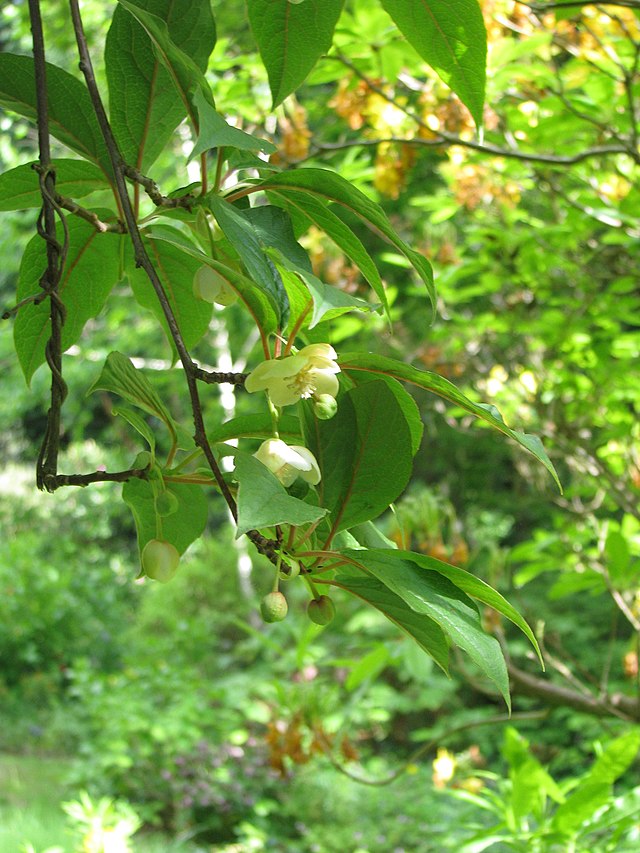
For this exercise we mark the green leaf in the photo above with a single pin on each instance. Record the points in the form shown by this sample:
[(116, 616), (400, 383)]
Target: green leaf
[(291, 37), (138, 423), (314, 211), (451, 37), (176, 269), (442, 601), (120, 377), (424, 630), (20, 187), (263, 500), (185, 74), (71, 116), (364, 454), (257, 426), (216, 133), (182, 527), (248, 241), (258, 304), (475, 588), (144, 104), (380, 365), (301, 184), (328, 301), (91, 271), (404, 400)]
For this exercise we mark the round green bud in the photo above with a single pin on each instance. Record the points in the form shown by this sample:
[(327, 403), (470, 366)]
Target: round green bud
[(143, 460), (166, 504), (325, 406), (207, 284), (321, 610), (160, 560), (274, 607), (294, 567)]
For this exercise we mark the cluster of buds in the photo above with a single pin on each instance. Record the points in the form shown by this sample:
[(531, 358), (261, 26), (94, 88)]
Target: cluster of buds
[(309, 374)]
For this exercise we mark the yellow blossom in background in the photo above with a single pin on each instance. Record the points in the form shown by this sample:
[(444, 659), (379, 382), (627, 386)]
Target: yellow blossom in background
[(444, 766), (309, 373)]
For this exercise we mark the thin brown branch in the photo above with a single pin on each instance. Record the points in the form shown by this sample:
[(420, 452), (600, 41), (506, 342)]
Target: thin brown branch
[(442, 139), (142, 257), (153, 190), (263, 545), (218, 377), (613, 705), (59, 480), (89, 216)]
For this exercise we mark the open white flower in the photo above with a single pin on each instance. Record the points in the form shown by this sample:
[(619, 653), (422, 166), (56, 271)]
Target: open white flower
[(288, 462), (309, 373)]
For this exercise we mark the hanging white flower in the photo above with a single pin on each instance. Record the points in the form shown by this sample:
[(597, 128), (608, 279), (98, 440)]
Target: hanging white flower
[(288, 462), (309, 373)]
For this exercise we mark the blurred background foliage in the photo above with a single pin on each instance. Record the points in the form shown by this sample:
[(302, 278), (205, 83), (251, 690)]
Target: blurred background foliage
[(218, 730)]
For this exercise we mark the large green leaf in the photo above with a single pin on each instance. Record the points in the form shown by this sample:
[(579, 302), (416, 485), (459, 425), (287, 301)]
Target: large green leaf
[(20, 187), (176, 269), (424, 630), (450, 36), (119, 376), (184, 72), (314, 211), (381, 365), (71, 116), (144, 104), (248, 240), (478, 589), (263, 500), (91, 270), (181, 528), (291, 37), (301, 184), (364, 453), (437, 597)]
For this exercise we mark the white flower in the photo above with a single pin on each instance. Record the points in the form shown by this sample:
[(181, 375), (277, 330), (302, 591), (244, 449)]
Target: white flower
[(309, 373), (288, 462)]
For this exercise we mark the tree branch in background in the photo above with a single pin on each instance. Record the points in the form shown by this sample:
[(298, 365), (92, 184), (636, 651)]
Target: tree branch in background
[(443, 138)]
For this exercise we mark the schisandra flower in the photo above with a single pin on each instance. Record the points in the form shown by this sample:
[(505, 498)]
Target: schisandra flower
[(309, 373), (288, 462)]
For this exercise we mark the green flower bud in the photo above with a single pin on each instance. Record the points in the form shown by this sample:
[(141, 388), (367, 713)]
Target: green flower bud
[(325, 406), (166, 504), (160, 560), (294, 565), (274, 607), (321, 610), (207, 284), (143, 460)]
